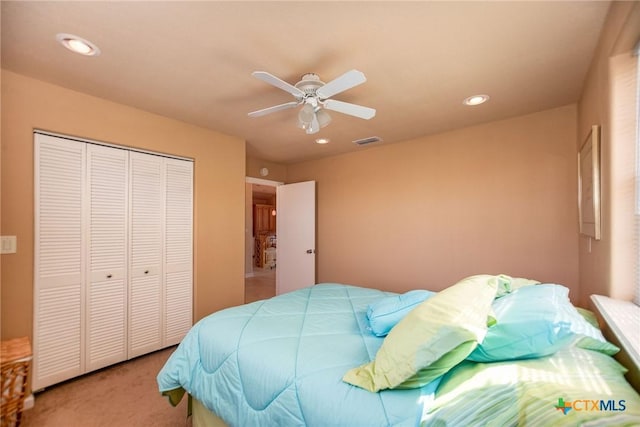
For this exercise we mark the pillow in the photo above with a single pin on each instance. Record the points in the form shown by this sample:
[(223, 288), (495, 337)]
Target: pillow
[(536, 321), (435, 336), (508, 284), (385, 313)]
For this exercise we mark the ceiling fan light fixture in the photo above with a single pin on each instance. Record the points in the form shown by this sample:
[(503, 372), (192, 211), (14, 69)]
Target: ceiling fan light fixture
[(310, 129), (306, 114), (78, 44), (476, 100), (301, 124), (324, 118)]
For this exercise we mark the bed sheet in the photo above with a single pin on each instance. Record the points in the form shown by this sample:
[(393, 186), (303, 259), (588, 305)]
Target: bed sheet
[(573, 387)]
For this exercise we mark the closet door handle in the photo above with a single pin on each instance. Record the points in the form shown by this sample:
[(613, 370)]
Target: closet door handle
[(109, 276), (146, 272)]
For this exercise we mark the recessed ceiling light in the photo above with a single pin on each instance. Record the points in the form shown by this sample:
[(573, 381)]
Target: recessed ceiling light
[(78, 44), (476, 100), (322, 140)]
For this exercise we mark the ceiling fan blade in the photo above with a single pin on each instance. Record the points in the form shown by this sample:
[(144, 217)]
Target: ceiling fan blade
[(281, 84), (273, 109), (351, 109), (346, 81)]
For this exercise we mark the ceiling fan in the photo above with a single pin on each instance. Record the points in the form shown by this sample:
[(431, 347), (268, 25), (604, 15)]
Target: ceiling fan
[(315, 95)]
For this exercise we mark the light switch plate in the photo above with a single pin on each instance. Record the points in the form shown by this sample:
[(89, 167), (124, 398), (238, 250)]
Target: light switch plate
[(9, 245)]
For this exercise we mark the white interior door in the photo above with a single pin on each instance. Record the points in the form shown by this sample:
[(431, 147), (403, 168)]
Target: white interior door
[(296, 225)]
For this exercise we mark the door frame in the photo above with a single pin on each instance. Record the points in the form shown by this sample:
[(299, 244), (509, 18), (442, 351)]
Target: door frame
[(248, 235)]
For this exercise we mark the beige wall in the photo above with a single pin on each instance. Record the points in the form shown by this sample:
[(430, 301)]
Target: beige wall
[(606, 266), (219, 187), (277, 172), (494, 198)]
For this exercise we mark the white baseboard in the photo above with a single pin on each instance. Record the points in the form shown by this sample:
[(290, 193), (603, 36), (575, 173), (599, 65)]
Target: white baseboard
[(29, 402)]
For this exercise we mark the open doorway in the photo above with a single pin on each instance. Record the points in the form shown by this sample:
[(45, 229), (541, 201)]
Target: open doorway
[(260, 239)]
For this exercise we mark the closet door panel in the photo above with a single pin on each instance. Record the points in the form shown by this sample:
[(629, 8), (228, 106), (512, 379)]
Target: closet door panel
[(113, 266), (178, 250), (107, 174), (58, 260), (146, 237)]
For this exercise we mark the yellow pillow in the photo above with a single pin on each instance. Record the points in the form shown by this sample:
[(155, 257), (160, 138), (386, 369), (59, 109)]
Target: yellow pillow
[(430, 340)]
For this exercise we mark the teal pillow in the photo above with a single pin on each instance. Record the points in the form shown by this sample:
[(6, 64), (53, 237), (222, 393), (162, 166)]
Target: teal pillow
[(435, 336), (537, 321), (386, 312)]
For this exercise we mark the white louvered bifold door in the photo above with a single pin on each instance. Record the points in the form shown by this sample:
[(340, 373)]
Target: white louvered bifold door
[(178, 250), (58, 260), (146, 237), (106, 317), (113, 256)]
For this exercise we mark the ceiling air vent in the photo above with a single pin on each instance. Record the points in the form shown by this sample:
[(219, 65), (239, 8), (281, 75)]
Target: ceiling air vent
[(367, 141)]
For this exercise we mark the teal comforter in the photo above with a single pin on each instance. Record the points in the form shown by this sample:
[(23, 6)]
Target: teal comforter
[(280, 362)]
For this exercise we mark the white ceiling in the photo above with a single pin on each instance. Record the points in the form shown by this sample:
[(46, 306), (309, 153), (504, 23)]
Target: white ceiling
[(193, 61)]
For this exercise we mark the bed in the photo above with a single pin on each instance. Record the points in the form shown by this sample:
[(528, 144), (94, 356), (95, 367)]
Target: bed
[(488, 350)]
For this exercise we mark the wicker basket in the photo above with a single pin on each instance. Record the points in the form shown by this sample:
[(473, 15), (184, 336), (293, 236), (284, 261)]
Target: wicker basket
[(15, 363)]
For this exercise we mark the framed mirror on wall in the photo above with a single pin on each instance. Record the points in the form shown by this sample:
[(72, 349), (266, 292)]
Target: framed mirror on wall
[(589, 184)]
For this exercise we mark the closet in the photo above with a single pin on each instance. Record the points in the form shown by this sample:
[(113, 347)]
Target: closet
[(113, 255)]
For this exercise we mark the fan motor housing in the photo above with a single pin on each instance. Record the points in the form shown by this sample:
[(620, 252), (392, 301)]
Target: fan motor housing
[(309, 83)]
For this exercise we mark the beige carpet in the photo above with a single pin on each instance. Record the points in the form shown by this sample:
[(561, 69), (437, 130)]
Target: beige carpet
[(124, 395)]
